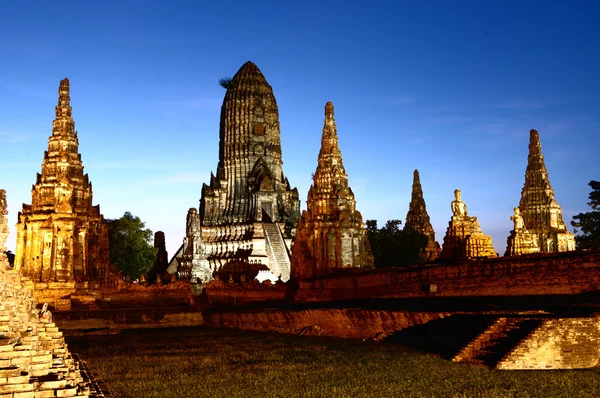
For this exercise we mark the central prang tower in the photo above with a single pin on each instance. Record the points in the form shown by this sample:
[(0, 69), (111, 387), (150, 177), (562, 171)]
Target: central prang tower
[(249, 213), (249, 185)]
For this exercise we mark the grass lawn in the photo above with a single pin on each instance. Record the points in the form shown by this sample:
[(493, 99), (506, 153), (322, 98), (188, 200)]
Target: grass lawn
[(206, 362)]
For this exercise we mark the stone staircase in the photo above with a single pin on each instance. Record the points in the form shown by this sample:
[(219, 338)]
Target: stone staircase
[(34, 359), (278, 250), (495, 343)]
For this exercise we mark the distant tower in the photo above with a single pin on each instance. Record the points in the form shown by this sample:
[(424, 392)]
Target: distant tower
[(61, 237), (331, 234), (249, 212), (542, 216), (418, 220)]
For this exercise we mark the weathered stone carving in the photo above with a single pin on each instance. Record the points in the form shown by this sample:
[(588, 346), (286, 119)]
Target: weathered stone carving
[(248, 212), (543, 227), (464, 238), (418, 220), (331, 233), (61, 237)]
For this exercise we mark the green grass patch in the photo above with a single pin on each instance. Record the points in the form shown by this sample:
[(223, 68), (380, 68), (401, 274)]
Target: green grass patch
[(207, 362)]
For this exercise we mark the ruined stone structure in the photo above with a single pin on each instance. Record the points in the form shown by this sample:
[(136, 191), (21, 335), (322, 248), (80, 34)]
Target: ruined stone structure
[(61, 237), (331, 234), (543, 229), (162, 258), (418, 220), (34, 360), (464, 238), (190, 263), (248, 212)]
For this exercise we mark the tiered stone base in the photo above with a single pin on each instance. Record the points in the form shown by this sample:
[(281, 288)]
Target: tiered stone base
[(465, 240), (521, 242), (34, 359)]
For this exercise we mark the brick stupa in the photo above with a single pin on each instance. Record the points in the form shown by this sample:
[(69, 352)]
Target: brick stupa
[(61, 236), (417, 219), (331, 234), (464, 238), (539, 225)]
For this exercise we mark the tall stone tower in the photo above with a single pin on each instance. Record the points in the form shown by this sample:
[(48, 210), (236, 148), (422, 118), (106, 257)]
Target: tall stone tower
[(418, 220), (249, 212), (542, 218), (331, 234), (61, 237)]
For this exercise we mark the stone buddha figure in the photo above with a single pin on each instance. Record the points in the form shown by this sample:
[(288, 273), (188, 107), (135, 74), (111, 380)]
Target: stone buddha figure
[(459, 208), (517, 219)]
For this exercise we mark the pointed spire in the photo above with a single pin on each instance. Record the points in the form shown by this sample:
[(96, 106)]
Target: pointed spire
[(417, 217), (329, 139), (417, 190), (541, 214), (64, 123)]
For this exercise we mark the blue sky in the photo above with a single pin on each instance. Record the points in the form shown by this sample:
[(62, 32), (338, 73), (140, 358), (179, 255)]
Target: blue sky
[(449, 88)]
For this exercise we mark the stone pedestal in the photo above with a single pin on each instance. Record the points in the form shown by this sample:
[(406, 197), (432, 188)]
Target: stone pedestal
[(464, 238)]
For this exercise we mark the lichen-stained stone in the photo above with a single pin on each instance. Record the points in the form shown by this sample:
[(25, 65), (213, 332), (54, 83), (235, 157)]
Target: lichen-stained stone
[(331, 234), (61, 236), (543, 229), (248, 211), (464, 238), (418, 220)]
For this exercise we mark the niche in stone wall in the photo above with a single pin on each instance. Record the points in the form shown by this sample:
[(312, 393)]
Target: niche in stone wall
[(259, 129)]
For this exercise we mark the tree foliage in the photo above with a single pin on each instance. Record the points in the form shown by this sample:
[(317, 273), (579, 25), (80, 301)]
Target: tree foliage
[(395, 247), (130, 245), (225, 82), (587, 225)]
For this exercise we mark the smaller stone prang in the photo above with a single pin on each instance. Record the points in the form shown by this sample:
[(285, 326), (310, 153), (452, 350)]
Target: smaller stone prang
[(418, 220), (543, 227), (162, 258), (464, 238), (331, 234), (61, 235)]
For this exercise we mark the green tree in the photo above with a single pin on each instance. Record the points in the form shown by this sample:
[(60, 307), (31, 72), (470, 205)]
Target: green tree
[(587, 225), (130, 245), (395, 247)]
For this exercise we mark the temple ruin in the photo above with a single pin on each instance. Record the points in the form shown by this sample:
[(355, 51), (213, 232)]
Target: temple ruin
[(331, 233), (464, 238), (538, 221), (61, 236), (248, 213), (417, 219)]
